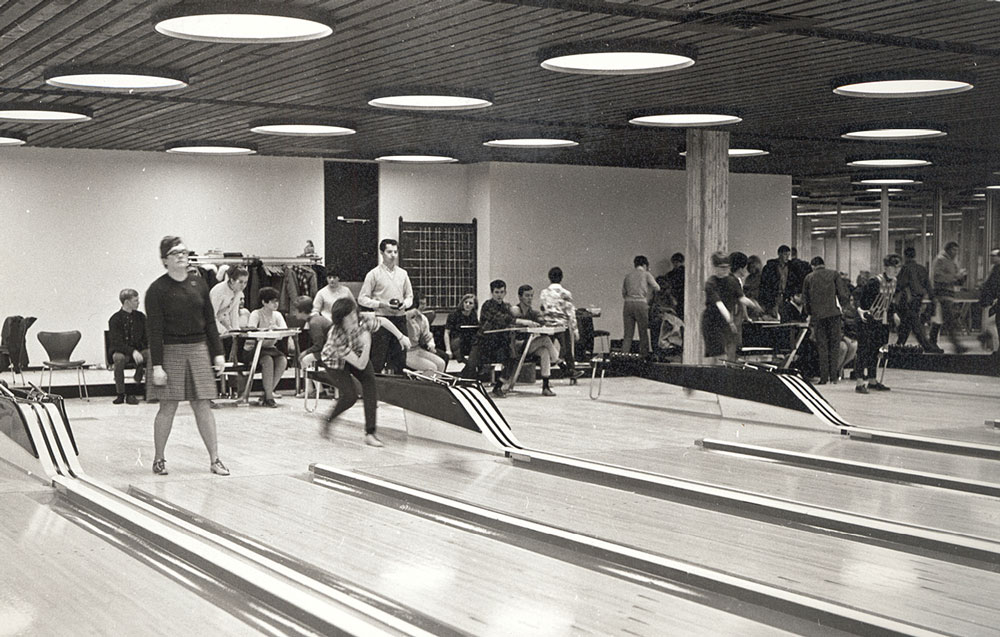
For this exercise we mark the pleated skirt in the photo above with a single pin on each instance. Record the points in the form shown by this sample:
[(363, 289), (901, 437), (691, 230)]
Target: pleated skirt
[(189, 373)]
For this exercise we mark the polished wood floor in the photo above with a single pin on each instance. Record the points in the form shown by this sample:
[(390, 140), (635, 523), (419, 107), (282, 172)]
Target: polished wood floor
[(486, 587)]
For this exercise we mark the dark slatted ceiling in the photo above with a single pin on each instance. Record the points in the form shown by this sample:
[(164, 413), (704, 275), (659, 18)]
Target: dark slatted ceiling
[(777, 73)]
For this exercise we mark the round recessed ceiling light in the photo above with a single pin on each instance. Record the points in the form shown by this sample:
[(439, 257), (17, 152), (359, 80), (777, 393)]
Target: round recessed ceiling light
[(247, 22), (889, 162), (114, 80), (895, 133), (302, 130), (631, 57), (8, 138), (417, 159), (901, 84), (886, 181), (43, 113), (431, 99), (685, 120), (741, 152), (531, 142), (210, 148)]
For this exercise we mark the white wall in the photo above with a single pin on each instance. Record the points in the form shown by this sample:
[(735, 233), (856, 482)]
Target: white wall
[(590, 221), (80, 225), (451, 193)]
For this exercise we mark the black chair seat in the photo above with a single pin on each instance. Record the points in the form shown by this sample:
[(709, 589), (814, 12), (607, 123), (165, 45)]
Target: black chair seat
[(64, 364)]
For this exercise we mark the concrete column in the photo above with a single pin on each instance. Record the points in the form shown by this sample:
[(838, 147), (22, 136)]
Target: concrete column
[(938, 230), (924, 255), (885, 245), (839, 235), (968, 245), (796, 229), (707, 226), (990, 226)]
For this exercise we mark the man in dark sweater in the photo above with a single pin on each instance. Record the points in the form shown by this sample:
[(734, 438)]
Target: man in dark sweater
[(913, 286), (127, 329), (676, 280), (825, 293)]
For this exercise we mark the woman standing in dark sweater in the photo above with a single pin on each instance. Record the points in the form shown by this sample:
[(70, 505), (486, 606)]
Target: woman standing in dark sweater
[(184, 344)]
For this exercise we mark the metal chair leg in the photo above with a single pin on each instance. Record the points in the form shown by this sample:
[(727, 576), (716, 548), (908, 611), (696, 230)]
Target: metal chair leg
[(593, 376)]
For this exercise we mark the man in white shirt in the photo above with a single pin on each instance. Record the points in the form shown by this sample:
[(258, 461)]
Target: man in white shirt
[(387, 291)]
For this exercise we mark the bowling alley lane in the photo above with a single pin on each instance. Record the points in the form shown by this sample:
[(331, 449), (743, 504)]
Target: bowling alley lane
[(948, 464), (957, 512), (925, 591), (61, 579), (476, 584)]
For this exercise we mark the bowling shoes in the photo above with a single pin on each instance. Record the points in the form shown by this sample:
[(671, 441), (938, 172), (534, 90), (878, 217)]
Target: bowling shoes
[(219, 469), (160, 467), (372, 441)]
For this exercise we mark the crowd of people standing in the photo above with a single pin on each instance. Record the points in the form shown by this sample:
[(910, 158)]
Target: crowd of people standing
[(845, 322)]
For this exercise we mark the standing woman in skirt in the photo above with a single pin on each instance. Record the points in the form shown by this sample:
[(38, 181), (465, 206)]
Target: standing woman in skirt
[(184, 344)]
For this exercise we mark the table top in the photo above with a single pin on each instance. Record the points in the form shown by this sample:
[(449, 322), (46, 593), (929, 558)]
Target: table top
[(292, 331)]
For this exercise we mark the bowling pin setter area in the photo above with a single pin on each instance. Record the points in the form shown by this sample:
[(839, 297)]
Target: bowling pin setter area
[(653, 509)]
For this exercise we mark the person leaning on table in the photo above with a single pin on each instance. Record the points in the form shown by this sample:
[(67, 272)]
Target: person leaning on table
[(184, 344)]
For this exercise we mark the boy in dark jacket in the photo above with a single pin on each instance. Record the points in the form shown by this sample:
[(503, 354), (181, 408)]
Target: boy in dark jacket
[(127, 329)]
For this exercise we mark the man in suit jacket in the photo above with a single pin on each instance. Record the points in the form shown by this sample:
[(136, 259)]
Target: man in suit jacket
[(773, 282), (824, 294)]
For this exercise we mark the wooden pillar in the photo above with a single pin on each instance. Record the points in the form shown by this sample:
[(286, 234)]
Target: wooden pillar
[(839, 236), (707, 226)]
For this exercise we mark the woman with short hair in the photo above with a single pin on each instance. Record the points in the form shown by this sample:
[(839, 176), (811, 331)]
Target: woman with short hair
[(184, 345), (272, 360)]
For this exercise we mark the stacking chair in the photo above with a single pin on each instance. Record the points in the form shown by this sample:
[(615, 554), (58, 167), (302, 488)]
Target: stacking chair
[(59, 347)]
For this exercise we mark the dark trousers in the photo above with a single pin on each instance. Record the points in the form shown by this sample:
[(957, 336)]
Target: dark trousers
[(493, 348), (909, 321), (346, 381), (871, 336), (119, 361), (386, 350), (635, 313), (828, 333), (949, 321)]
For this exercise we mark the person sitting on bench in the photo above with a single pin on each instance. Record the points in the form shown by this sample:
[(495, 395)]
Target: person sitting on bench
[(421, 355), (127, 331), (492, 343)]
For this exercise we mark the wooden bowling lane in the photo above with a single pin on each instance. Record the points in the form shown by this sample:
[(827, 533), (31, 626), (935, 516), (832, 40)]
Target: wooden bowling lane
[(62, 579), (963, 513), (844, 448), (473, 583), (866, 470), (941, 596)]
